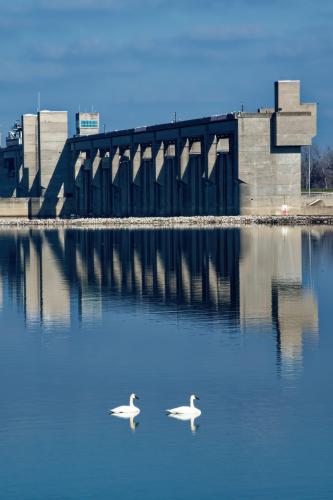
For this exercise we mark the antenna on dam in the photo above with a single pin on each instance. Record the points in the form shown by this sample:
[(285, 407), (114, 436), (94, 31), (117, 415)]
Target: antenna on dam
[(38, 102)]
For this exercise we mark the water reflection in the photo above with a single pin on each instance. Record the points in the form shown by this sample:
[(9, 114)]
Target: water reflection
[(271, 290), (187, 418), (251, 278), (133, 424)]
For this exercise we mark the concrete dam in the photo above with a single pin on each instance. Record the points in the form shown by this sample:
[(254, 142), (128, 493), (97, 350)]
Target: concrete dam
[(236, 163)]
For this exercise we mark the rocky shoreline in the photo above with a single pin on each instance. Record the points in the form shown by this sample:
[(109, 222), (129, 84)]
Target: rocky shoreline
[(169, 222)]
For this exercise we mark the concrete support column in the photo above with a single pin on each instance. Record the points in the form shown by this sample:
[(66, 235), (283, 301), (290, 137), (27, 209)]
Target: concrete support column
[(177, 183), (115, 164), (79, 158), (230, 184), (159, 161), (223, 185), (184, 160), (114, 179), (201, 179), (210, 160), (75, 167), (147, 153), (126, 182), (137, 208), (184, 189), (211, 157), (158, 166), (106, 186), (224, 176), (96, 160), (77, 163), (136, 155), (96, 183), (87, 185), (148, 180)]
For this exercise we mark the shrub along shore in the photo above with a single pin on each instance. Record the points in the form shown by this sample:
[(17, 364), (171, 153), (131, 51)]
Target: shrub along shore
[(169, 222)]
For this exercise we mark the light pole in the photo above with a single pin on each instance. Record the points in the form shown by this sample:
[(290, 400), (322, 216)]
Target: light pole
[(309, 168)]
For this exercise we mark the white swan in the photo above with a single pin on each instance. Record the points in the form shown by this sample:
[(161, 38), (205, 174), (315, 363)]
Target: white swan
[(186, 410), (127, 410)]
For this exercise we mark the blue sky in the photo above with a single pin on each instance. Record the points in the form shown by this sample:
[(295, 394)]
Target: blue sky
[(138, 61)]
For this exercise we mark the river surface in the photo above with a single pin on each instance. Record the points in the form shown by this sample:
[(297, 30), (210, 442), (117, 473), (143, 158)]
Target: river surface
[(240, 317)]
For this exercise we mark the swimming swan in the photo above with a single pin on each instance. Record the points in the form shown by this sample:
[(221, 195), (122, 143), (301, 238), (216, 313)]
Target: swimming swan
[(186, 410), (129, 410)]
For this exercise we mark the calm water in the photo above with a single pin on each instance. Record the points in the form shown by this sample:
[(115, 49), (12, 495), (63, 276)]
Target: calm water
[(242, 317)]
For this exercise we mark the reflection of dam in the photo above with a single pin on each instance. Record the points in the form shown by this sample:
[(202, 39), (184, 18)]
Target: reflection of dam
[(46, 295), (271, 290), (185, 269), (251, 277)]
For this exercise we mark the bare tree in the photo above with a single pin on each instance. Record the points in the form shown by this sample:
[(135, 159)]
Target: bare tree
[(321, 168)]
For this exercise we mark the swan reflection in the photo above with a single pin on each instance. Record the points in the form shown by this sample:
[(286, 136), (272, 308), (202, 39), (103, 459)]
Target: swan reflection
[(127, 416), (186, 418)]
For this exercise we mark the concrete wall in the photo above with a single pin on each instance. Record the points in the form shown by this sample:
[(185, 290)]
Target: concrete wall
[(45, 162), (14, 207), (36, 207), (53, 134), (84, 122), (269, 153), (317, 204), (270, 177), (295, 123), (31, 186)]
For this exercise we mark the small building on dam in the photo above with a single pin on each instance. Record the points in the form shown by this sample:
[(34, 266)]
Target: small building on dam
[(237, 163)]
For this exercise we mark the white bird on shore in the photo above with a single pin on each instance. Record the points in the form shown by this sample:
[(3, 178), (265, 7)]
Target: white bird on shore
[(186, 410), (127, 410)]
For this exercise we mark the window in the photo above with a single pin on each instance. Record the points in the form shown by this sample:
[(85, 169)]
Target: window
[(89, 124)]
